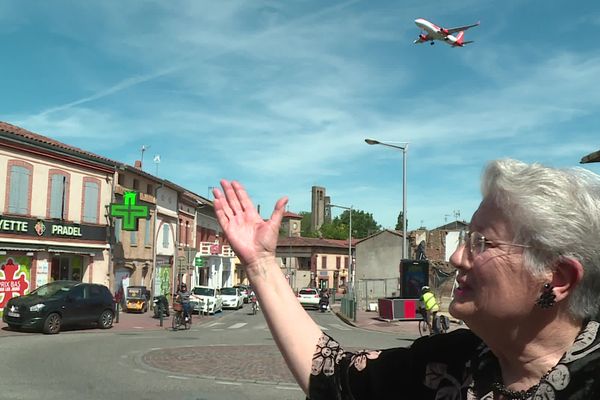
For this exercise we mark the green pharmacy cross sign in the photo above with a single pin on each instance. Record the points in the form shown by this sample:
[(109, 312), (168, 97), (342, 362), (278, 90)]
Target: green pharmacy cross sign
[(129, 211)]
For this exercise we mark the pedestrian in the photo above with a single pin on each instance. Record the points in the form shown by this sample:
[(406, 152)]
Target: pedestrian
[(528, 282), (183, 295)]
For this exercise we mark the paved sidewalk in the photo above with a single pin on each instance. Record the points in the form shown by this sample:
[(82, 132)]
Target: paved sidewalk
[(407, 330)]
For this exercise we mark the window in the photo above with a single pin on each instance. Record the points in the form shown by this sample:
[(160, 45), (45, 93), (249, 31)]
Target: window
[(20, 183), (338, 262), (118, 227), (133, 238), (149, 189), (58, 196), (121, 179), (324, 262), (346, 262), (147, 233), (91, 197), (136, 184), (165, 242)]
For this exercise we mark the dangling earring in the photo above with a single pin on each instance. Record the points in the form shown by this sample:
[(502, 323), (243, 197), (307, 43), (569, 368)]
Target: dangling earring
[(547, 297)]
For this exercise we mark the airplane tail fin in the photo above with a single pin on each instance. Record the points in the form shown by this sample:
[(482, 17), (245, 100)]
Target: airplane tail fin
[(460, 39)]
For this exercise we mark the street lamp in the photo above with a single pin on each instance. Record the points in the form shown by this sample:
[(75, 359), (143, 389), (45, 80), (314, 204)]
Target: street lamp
[(350, 269), (404, 149)]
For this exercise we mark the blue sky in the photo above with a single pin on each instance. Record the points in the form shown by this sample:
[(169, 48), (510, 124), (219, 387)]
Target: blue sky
[(281, 95)]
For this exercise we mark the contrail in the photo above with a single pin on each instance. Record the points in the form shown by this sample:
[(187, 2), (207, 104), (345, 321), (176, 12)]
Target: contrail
[(136, 80)]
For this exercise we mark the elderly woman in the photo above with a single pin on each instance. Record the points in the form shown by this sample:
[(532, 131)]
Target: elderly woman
[(528, 289)]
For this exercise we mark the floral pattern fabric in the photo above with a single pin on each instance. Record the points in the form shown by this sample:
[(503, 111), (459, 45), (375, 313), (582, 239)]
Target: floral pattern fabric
[(453, 366)]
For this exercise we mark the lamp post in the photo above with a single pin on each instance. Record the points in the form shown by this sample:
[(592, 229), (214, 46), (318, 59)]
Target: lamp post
[(404, 148), (350, 269)]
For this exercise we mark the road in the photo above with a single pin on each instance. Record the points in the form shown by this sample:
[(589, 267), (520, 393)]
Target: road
[(229, 356)]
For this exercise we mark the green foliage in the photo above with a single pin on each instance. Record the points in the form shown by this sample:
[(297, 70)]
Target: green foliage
[(399, 223), (363, 225)]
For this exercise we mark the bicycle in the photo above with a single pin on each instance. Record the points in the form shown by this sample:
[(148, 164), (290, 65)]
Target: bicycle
[(178, 318), (441, 324)]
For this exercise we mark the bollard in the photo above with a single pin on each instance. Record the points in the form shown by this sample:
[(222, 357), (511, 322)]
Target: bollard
[(160, 313), (117, 314)]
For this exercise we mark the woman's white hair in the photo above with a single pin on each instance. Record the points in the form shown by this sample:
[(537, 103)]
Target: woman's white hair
[(557, 213)]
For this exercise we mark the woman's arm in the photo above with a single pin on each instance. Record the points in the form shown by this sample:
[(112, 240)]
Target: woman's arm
[(254, 242)]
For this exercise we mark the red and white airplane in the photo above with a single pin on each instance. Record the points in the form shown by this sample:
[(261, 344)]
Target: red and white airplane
[(433, 32)]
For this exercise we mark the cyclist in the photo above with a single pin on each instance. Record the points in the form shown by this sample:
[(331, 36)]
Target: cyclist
[(431, 307), (183, 296)]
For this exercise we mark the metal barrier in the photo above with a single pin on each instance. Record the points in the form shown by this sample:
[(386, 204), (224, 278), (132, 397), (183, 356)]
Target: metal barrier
[(348, 308)]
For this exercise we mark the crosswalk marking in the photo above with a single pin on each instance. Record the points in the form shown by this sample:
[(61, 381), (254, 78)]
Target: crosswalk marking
[(238, 325), (215, 324)]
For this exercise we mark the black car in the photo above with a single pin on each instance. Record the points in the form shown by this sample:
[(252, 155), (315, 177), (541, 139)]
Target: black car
[(59, 303)]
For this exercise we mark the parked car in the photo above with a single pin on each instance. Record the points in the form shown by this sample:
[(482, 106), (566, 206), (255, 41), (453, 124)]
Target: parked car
[(61, 303), (309, 297), (206, 300), (245, 291), (232, 298)]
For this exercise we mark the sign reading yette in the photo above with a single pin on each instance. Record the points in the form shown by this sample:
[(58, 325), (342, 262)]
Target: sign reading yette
[(129, 211), (51, 228)]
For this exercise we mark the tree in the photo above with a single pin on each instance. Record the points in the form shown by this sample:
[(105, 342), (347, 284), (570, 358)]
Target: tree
[(363, 225), (399, 223), (305, 225)]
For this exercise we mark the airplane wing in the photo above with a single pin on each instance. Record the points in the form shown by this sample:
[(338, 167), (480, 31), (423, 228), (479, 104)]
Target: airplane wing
[(450, 31)]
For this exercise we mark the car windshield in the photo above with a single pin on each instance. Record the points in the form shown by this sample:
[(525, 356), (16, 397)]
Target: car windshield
[(228, 291), (53, 288), (201, 291)]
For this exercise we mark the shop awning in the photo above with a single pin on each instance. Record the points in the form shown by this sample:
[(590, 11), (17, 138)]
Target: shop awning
[(76, 250), (21, 247)]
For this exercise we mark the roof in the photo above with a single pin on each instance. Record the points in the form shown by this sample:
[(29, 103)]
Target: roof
[(397, 233), (298, 241), (36, 139), (289, 214), (452, 226)]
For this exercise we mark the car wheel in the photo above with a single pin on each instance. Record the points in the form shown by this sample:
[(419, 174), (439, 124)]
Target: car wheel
[(52, 324), (106, 319)]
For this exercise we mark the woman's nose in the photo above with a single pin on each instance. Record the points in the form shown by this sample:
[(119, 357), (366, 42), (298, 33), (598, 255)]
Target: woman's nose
[(459, 259)]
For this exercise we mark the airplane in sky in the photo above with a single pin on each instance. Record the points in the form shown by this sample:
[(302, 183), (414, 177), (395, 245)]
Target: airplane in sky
[(433, 32)]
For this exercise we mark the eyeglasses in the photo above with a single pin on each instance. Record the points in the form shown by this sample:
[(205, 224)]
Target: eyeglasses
[(476, 243)]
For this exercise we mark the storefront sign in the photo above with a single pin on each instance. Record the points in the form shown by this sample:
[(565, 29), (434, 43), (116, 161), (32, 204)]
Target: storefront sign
[(41, 276), (51, 228), (130, 212), (199, 262)]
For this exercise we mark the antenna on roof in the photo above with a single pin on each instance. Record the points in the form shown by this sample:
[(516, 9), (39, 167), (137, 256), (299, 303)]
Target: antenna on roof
[(157, 161), (143, 149)]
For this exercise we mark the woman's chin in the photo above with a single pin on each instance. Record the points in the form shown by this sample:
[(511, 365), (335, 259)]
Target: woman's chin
[(460, 309)]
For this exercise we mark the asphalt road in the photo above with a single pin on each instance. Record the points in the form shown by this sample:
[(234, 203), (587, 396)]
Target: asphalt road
[(230, 356)]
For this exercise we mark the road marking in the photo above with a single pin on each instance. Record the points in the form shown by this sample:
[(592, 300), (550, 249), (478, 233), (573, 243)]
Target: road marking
[(215, 324), (323, 328), (340, 327), (287, 388), (238, 325), (263, 326), (178, 377), (228, 383)]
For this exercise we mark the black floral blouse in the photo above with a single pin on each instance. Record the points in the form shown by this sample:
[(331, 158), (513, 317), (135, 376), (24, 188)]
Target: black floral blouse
[(452, 366)]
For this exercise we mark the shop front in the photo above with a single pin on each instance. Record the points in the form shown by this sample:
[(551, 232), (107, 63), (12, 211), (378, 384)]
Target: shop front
[(34, 252)]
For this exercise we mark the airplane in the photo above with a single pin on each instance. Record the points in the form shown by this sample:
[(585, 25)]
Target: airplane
[(433, 32)]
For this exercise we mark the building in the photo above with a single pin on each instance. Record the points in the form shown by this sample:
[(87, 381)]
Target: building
[(54, 222), (314, 262), (320, 210)]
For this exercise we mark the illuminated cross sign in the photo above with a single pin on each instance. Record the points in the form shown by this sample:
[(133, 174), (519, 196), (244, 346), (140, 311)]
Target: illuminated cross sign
[(129, 211)]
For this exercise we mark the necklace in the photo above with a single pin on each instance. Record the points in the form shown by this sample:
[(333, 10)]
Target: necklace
[(499, 388)]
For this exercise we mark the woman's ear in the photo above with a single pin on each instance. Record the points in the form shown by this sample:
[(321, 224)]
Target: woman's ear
[(567, 274)]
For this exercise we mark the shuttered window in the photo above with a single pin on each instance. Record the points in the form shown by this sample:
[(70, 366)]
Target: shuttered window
[(90, 201), (165, 241), (118, 224), (58, 196), (18, 199), (147, 236)]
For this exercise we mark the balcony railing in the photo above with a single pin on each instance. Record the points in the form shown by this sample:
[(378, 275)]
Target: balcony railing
[(215, 249)]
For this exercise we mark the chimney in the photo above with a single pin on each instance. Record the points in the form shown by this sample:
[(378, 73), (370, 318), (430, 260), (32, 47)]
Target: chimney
[(138, 164)]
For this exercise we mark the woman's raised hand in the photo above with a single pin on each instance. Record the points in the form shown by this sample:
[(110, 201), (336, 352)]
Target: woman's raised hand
[(251, 237)]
